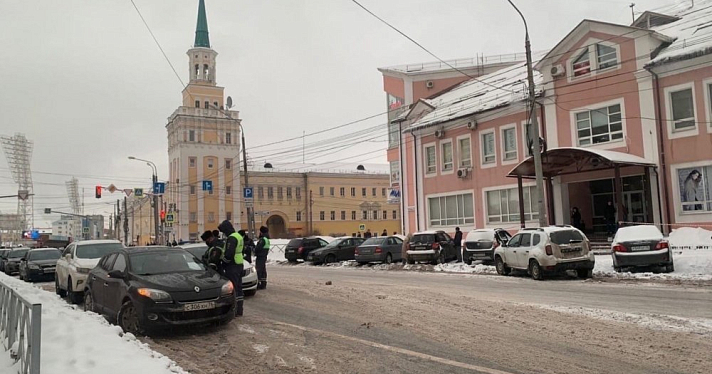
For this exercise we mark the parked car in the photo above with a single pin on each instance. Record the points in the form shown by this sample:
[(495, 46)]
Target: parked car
[(641, 246), (146, 287), (249, 274), (11, 263), (39, 263), (76, 262), (385, 249), (3, 256), (432, 246), (299, 248), (542, 251), (481, 243), (340, 249)]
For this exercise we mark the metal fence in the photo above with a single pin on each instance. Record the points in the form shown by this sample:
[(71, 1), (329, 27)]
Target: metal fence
[(21, 327)]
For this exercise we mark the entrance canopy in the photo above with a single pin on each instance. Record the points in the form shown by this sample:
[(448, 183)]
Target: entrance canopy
[(572, 160)]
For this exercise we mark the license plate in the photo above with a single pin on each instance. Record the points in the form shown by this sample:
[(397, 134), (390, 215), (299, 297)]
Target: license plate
[(198, 306), (48, 270), (290, 250), (640, 248), (480, 255)]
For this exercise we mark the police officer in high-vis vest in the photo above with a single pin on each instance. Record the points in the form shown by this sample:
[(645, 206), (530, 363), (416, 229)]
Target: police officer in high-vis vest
[(261, 251), (233, 261)]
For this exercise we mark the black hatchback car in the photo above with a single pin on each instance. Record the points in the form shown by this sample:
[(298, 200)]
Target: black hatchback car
[(341, 249), (11, 261), (150, 287), (39, 263), (436, 247), (299, 248)]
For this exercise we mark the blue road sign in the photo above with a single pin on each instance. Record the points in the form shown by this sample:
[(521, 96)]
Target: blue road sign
[(247, 192), (207, 185), (138, 192), (159, 188)]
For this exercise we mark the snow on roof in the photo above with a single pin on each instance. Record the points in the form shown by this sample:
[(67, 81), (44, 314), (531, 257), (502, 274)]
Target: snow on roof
[(692, 32), (613, 156), (641, 232), (491, 91), (461, 63)]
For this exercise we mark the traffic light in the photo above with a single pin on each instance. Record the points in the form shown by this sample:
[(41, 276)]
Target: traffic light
[(98, 192), (163, 215)]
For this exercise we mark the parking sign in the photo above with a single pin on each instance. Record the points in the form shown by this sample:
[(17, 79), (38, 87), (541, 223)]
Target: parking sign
[(247, 192)]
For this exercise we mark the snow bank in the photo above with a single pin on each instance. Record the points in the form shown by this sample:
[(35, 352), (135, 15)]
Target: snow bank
[(276, 251), (690, 238), (689, 265), (76, 342), (640, 232)]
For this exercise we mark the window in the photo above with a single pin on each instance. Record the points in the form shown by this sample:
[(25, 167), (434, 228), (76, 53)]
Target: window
[(289, 193), (197, 103), (451, 210), (342, 191), (373, 191), (385, 214), (191, 135), (228, 216), (383, 192), (488, 155), (599, 125), (211, 217), (192, 161), (120, 263), (270, 192), (363, 192), (395, 172), (215, 103), (682, 107), (509, 138), (446, 149), (228, 164), (279, 193), (695, 189), (343, 215), (192, 189), (333, 215), (394, 214), (465, 153), (298, 192), (228, 138), (321, 215), (207, 105), (582, 64), (430, 167), (299, 216), (526, 240), (193, 217), (606, 56), (206, 72), (321, 191), (353, 191), (197, 68), (503, 205), (393, 135), (210, 192), (210, 163), (365, 215), (375, 214), (260, 192), (228, 190), (331, 191)]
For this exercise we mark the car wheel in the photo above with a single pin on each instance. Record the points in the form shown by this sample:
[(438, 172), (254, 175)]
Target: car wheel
[(89, 302), (502, 269), (250, 292), (535, 270), (128, 319), (19, 275), (74, 297), (58, 290), (440, 259), (468, 260), (389, 259), (361, 263), (409, 260), (584, 273), (330, 259), (617, 269), (670, 268)]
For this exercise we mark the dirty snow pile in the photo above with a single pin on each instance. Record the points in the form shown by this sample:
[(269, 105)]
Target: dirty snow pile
[(74, 341), (690, 238)]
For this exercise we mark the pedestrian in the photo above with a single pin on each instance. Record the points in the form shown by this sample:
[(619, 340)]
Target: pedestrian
[(405, 248), (576, 218), (359, 235), (249, 246), (261, 252), (368, 234), (216, 233), (175, 244), (384, 233), (458, 242), (609, 214), (233, 262), (395, 233), (353, 234), (213, 255)]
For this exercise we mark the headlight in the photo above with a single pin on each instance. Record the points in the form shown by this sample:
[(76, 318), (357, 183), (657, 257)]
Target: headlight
[(155, 295), (247, 272), (83, 270), (227, 289), (33, 267)]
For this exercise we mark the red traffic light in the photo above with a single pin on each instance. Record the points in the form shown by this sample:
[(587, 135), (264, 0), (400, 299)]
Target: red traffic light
[(98, 192), (163, 215)]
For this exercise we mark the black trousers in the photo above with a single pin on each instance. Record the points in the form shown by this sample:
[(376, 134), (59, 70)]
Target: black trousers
[(261, 267), (233, 272)]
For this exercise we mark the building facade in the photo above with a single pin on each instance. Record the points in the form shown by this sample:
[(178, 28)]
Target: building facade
[(203, 147), (293, 204)]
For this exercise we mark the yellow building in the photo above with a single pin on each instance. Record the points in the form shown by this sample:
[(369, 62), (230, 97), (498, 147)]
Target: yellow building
[(140, 215), (320, 203)]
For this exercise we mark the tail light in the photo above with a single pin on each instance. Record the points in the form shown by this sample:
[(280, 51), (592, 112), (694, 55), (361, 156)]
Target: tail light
[(378, 250), (356, 251), (436, 245), (301, 249), (662, 245), (496, 244), (619, 248), (549, 250)]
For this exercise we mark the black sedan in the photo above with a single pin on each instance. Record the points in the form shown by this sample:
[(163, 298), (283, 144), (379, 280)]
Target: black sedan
[(341, 249), (11, 263), (153, 287), (3, 255), (639, 247), (39, 263)]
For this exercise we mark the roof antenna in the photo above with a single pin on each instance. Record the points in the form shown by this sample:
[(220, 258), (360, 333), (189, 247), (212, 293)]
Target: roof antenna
[(632, 12)]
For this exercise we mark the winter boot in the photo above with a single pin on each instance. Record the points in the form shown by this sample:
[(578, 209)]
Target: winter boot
[(238, 309)]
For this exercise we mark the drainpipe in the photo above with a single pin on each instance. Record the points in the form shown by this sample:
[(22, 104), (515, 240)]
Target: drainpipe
[(401, 183), (661, 128), (415, 175)]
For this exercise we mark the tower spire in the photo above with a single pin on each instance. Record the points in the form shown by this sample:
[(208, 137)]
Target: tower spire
[(201, 30)]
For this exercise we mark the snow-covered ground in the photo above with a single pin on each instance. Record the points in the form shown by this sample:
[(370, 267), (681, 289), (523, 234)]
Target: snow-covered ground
[(276, 252), (74, 341), (690, 264)]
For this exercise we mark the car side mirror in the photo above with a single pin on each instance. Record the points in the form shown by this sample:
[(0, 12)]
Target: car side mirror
[(117, 274)]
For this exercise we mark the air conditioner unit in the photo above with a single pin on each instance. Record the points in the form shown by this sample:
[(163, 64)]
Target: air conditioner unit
[(558, 70), (462, 173), (429, 84), (439, 133), (472, 125)]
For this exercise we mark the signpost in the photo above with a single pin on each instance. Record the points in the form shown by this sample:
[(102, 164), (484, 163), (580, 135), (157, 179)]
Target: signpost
[(159, 188), (170, 218), (138, 192), (207, 186), (247, 194), (362, 227)]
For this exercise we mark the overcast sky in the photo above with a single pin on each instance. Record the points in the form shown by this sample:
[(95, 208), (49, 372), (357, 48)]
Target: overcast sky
[(85, 81)]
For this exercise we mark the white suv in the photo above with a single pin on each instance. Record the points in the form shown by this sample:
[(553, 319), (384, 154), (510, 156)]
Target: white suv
[(546, 250), (75, 263)]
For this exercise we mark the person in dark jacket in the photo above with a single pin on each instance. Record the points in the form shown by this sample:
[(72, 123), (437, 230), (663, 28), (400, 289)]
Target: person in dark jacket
[(261, 252), (576, 218), (384, 233), (458, 242), (368, 234), (609, 214), (213, 255), (233, 261), (249, 246)]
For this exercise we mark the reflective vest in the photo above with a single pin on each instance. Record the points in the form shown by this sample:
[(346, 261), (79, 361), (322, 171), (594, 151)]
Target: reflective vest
[(267, 245), (239, 259)]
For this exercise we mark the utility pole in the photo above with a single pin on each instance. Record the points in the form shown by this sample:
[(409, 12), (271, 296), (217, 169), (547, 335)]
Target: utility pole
[(118, 220), (311, 210), (536, 151), (126, 223), (632, 11), (250, 210)]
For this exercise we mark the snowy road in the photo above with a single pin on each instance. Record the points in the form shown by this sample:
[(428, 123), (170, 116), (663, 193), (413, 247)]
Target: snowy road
[(386, 321)]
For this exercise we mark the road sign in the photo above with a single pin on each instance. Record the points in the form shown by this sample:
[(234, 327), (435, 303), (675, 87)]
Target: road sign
[(85, 230), (207, 185), (48, 210), (249, 204), (247, 193), (170, 218), (23, 194), (138, 192), (362, 227), (159, 188), (128, 191)]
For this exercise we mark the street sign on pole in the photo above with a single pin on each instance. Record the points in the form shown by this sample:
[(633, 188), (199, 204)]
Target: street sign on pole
[(85, 230), (362, 227), (48, 210), (159, 188), (23, 194), (247, 192), (138, 192), (249, 204), (207, 186), (170, 218)]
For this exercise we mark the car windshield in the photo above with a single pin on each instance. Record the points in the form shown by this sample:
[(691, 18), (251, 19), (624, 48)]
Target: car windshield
[(43, 255), (423, 238), (197, 251), (566, 237), (374, 241), (91, 251), (162, 262), (19, 253), (295, 243)]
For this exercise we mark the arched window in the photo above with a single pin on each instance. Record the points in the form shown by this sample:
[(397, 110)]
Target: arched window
[(197, 71), (206, 72)]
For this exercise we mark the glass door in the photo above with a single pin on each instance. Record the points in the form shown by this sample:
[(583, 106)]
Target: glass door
[(634, 202)]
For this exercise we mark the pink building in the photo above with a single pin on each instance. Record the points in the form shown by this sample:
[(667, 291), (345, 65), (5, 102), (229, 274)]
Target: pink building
[(625, 114)]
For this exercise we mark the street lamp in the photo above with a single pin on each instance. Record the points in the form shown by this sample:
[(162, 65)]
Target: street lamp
[(536, 148), (154, 179)]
